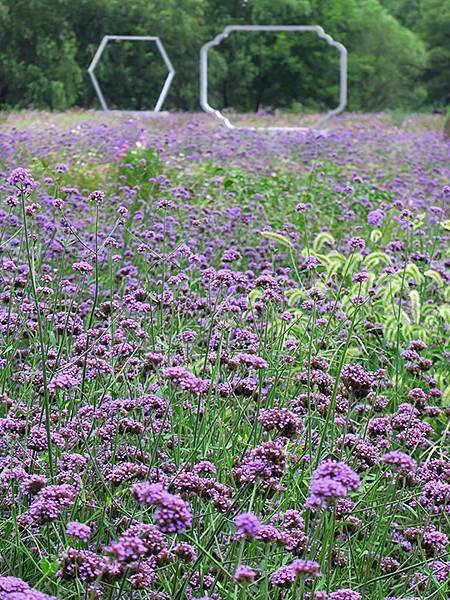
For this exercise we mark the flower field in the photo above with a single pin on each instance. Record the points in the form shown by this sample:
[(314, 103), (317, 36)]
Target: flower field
[(224, 360)]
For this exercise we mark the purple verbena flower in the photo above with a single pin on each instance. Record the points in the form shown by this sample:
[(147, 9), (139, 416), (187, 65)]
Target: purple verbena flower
[(345, 594), (247, 525), (375, 217), (78, 530), (22, 179), (244, 574), (331, 481), (14, 588)]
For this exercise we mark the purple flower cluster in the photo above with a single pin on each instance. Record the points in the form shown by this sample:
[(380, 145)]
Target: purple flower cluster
[(357, 380), (399, 461), (283, 420), (48, 504), (248, 525), (172, 514), (78, 530), (345, 594), (244, 574), (13, 588), (171, 381), (375, 217), (285, 576), (263, 465), (22, 179), (331, 481), (186, 380)]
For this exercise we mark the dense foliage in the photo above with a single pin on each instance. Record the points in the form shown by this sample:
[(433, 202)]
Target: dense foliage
[(399, 53), (224, 361)]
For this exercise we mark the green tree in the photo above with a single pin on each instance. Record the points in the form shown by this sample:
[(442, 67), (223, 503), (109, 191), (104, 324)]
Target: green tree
[(38, 66), (430, 20), (434, 28), (47, 45), (407, 12), (386, 61)]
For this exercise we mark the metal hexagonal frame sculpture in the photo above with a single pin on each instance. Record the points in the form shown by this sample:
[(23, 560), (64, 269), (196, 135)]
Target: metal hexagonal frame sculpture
[(301, 28), (134, 38)]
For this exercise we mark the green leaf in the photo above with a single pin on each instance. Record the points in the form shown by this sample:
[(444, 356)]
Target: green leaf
[(48, 567)]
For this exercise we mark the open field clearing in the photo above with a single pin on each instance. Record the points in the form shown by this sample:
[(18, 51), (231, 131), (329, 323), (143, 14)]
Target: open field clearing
[(224, 359)]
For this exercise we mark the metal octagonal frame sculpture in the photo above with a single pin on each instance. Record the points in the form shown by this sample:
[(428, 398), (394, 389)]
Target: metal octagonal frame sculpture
[(133, 38), (300, 28)]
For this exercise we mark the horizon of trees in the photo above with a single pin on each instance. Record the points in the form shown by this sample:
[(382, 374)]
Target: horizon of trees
[(399, 53)]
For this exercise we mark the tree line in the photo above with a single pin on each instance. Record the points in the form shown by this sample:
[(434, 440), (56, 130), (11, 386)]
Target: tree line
[(399, 53)]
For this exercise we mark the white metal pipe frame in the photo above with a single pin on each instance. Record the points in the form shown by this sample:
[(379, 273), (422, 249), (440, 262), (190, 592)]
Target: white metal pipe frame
[(204, 102)]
